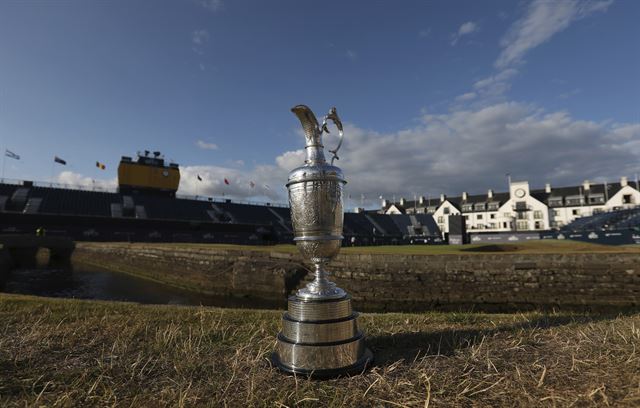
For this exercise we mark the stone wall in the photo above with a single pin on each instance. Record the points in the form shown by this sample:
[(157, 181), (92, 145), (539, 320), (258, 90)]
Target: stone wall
[(393, 282)]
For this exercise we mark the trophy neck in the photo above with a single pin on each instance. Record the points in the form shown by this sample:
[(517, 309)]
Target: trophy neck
[(315, 153)]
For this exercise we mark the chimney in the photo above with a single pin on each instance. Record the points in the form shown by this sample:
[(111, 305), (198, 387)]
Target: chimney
[(442, 198), (464, 196), (586, 185), (547, 188), (421, 200), (385, 203), (359, 210), (402, 201), (623, 181), (490, 193)]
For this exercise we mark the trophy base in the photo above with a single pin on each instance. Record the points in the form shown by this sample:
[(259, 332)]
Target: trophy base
[(320, 339)]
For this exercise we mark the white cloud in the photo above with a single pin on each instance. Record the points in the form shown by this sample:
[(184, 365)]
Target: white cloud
[(211, 5), (495, 85), (76, 179), (542, 20), (569, 94), (463, 150), (424, 33), (465, 29), (206, 145), (239, 186), (200, 37), (466, 97)]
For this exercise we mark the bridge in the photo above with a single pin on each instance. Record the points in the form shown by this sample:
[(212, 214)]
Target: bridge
[(20, 250)]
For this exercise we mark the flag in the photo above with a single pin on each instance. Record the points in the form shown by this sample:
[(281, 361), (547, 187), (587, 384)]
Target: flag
[(101, 166), (11, 154), (199, 178), (59, 160), (226, 181), (252, 184)]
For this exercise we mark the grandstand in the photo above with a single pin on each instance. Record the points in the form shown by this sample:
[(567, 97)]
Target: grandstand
[(613, 220), (146, 208), (140, 216)]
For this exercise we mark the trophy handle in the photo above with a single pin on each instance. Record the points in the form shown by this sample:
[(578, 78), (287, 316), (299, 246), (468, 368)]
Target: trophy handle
[(333, 115)]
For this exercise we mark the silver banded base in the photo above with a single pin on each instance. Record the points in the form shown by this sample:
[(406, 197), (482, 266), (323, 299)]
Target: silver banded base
[(320, 339)]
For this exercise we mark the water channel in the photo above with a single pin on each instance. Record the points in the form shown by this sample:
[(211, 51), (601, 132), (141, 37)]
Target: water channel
[(88, 283)]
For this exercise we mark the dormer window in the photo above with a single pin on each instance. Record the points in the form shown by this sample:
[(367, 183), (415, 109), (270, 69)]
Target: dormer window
[(574, 200), (493, 206), (596, 198), (479, 207), (467, 207), (555, 202)]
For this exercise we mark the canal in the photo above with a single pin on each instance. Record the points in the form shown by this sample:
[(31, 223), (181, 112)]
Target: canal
[(90, 283)]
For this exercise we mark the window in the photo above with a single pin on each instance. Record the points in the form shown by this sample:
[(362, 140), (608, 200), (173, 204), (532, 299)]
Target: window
[(445, 210), (521, 205), (466, 217), (492, 225), (575, 200), (440, 219), (555, 213), (492, 216), (575, 212), (506, 215), (479, 216), (504, 225), (467, 207), (626, 199), (538, 225), (494, 206), (522, 225), (537, 215), (596, 199), (597, 211), (479, 207), (522, 216), (555, 202)]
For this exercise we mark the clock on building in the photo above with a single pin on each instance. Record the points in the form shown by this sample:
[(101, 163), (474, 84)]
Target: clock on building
[(520, 193)]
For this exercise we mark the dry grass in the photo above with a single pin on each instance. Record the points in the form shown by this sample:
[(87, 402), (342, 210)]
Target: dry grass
[(83, 353)]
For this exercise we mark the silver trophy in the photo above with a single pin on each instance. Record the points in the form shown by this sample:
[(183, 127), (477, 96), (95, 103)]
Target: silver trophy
[(320, 337)]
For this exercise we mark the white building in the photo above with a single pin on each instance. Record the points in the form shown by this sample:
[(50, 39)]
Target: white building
[(523, 209)]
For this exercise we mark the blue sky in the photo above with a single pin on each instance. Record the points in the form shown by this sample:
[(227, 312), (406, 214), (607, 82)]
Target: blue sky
[(437, 96)]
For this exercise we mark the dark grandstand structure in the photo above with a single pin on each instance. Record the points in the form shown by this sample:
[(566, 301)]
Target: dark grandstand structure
[(626, 219), (145, 209)]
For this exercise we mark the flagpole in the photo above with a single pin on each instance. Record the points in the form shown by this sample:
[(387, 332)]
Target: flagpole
[(4, 158), (51, 178)]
